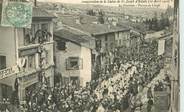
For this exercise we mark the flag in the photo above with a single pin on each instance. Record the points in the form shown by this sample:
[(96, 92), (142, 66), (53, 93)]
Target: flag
[(161, 47)]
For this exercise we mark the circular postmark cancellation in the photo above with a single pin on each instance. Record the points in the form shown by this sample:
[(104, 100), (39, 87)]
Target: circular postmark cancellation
[(18, 14)]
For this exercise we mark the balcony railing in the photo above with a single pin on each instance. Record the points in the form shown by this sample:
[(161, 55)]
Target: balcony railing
[(8, 72), (40, 37)]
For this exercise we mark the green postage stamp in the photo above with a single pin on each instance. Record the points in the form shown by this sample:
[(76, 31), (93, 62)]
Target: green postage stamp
[(17, 14)]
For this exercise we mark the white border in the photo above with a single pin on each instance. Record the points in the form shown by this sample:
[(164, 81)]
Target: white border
[(181, 4)]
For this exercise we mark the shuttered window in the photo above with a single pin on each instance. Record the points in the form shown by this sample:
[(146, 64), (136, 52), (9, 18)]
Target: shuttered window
[(74, 63)]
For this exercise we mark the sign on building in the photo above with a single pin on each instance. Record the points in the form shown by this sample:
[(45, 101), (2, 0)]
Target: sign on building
[(16, 14), (8, 72), (28, 51)]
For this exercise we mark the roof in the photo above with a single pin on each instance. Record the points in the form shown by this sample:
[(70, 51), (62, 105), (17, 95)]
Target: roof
[(40, 13), (89, 24), (158, 35), (138, 27), (73, 36)]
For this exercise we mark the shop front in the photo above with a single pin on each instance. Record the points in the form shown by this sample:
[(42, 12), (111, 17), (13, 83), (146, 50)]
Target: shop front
[(7, 83)]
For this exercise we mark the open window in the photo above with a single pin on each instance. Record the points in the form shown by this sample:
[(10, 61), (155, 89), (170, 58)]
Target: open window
[(31, 62), (74, 63)]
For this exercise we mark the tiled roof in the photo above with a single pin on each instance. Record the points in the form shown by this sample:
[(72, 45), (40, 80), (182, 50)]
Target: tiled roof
[(88, 24), (40, 13), (73, 36), (135, 26)]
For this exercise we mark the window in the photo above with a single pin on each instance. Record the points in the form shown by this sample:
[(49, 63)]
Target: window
[(98, 44), (45, 57), (34, 28), (6, 91), (116, 42), (111, 45), (106, 39), (120, 42), (106, 45), (73, 63), (31, 62), (61, 45), (45, 26), (2, 62), (30, 34), (75, 81)]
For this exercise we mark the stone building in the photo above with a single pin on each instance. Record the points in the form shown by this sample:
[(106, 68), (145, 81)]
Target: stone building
[(73, 56)]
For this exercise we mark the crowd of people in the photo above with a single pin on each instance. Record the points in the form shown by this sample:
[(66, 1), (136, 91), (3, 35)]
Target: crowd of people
[(118, 89), (116, 92)]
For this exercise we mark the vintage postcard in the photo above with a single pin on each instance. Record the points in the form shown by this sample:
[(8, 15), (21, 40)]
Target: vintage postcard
[(89, 56)]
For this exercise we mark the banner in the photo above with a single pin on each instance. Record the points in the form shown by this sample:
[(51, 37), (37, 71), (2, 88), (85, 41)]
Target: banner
[(161, 47), (16, 14)]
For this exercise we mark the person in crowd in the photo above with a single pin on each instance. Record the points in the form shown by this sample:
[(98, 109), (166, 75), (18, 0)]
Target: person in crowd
[(149, 105)]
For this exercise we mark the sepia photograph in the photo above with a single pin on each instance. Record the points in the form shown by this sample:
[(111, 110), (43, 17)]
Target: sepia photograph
[(89, 56)]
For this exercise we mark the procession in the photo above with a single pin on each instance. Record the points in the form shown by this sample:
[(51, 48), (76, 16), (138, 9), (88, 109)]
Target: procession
[(82, 57), (120, 90)]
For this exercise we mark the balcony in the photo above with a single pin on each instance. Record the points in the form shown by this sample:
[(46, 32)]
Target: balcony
[(8, 72), (37, 37)]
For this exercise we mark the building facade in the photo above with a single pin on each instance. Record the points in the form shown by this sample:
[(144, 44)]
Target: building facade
[(109, 45), (108, 37), (73, 57), (35, 56)]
